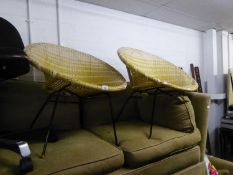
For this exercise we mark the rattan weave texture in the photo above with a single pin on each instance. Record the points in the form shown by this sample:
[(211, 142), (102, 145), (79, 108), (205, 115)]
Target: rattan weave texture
[(86, 74), (150, 71)]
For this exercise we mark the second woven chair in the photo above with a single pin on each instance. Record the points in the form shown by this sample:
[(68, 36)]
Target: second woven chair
[(151, 71), (152, 74)]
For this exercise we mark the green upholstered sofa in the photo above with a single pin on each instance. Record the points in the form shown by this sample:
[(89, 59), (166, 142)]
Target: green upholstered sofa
[(86, 146)]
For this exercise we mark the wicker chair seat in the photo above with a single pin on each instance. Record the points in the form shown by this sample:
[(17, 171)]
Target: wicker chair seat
[(85, 74), (149, 71)]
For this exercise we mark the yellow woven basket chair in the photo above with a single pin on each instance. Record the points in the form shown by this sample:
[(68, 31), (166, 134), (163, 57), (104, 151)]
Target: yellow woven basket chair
[(147, 71), (150, 71), (79, 73), (85, 74)]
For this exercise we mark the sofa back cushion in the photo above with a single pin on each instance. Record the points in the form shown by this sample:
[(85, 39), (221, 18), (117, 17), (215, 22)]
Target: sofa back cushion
[(96, 111), (174, 112)]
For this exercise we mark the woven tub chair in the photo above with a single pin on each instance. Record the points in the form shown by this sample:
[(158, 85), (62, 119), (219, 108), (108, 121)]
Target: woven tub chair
[(78, 73), (149, 72)]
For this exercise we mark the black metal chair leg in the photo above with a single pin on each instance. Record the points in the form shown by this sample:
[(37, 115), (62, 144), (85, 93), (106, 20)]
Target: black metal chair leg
[(80, 107), (40, 110), (123, 106), (113, 119), (45, 103), (152, 116), (81, 112), (50, 125)]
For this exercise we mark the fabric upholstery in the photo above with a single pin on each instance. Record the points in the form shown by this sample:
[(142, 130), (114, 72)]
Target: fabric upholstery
[(223, 172), (198, 169), (224, 167), (77, 151), (32, 96), (138, 149), (138, 133), (165, 166), (96, 110), (175, 112), (201, 105)]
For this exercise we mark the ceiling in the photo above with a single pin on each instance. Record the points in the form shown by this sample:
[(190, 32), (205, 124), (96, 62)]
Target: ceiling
[(196, 14)]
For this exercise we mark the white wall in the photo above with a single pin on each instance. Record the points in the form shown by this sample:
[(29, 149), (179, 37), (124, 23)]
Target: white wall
[(217, 60), (230, 51), (101, 31), (16, 12)]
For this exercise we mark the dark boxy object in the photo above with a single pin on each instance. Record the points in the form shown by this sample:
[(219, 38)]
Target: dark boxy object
[(12, 57), (13, 64)]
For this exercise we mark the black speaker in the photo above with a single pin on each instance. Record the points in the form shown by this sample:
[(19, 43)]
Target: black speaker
[(13, 60)]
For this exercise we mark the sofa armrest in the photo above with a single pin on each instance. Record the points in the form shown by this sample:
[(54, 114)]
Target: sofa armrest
[(201, 105), (222, 165)]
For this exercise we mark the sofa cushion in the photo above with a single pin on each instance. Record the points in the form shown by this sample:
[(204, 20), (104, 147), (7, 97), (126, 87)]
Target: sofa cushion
[(78, 151), (166, 166), (138, 149), (175, 112)]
